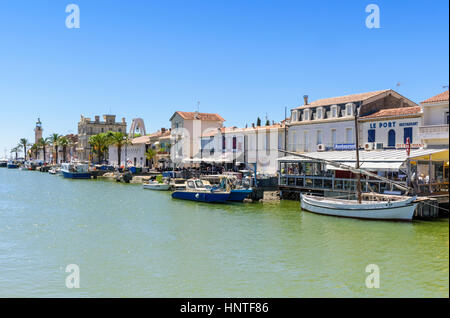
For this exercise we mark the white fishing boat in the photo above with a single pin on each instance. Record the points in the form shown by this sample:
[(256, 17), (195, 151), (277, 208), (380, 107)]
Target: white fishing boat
[(155, 185), (402, 209)]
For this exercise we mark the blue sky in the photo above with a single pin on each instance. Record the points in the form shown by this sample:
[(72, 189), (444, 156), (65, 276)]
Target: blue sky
[(241, 59)]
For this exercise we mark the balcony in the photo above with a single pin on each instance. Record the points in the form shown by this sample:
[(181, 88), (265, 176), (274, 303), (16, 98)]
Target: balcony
[(434, 132)]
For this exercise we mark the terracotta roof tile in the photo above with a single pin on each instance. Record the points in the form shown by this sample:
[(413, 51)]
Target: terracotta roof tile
[(401, 111), (442, 97), (201, 116), (343, 99)]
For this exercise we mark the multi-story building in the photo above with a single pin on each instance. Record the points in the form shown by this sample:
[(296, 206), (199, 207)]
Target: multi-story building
[(88, 128), (186, 133), (434, 129), (328, 124), (255, 147)]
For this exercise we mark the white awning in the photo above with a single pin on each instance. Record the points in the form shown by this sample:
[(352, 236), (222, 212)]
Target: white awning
[(378, 166), (382, 166), (331, 167)]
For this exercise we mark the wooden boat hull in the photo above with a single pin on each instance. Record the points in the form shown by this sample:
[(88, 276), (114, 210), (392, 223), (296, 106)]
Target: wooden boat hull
[(72, 175), (239, 195), (373, 211), (210, 197), (157, 187)]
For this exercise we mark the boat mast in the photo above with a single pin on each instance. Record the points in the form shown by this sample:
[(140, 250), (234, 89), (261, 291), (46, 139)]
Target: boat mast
[(358, 183)]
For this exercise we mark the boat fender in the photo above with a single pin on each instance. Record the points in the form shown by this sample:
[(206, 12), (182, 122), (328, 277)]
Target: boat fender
[(197, 195)]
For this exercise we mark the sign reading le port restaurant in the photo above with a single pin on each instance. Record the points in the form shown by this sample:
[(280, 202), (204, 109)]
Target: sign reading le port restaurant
[(392, 132)]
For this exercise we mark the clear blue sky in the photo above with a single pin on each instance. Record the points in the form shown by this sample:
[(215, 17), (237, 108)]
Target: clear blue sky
[(241, 59)]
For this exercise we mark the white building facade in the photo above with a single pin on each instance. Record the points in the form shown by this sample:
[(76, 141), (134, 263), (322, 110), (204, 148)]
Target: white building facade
[(329, 124), (434, 129)]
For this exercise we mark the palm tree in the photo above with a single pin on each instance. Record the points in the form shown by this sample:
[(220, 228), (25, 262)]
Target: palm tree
[(99, 144), (54, 139), (34, 148), (63, 142), (118, 139), (16, 150), (24, 143), (150, 154), (43, 143)]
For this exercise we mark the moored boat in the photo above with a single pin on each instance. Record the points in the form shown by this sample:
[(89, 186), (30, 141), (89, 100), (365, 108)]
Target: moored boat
[(155, 185), (196, 191), (3, 163), (75, 171), (401, 209), (12, 164)]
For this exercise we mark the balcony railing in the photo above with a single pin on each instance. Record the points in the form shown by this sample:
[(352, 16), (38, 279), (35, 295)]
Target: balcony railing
[(433, 130)]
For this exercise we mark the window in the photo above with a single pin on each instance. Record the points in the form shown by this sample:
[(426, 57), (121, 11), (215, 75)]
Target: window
[(294, 141), (446, 118), (294, 115), (319, 113), (407, 133), (334, 111), (371, 135), (223, 143), (306, 114), (348, 135), (349, 109), (319, 137), (234, 142), (391, 138), (305, 141), (333, 137)]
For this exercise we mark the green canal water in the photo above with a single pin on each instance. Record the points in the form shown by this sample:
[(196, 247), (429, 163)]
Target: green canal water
[(130, 242)]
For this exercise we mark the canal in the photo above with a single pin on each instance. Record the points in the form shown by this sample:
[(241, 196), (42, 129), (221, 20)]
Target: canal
[(130, 242)]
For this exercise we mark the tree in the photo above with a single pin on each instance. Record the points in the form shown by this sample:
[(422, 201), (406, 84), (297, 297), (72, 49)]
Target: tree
[(54, 139), (267, 122), (118, 139), (16, 150), (99, 143), (258, 122), (63, 142), (24, 143), (150, 154), (34, 148), (43, 143)]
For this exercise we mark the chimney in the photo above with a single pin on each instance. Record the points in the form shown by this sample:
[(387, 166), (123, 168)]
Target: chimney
[(253, 125), (163, 130), (305, 99), (97, 119), (123, 120)]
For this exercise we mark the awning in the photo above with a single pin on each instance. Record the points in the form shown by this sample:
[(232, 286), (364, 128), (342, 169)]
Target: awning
[(331, 167), (382, 166), (378, 166)]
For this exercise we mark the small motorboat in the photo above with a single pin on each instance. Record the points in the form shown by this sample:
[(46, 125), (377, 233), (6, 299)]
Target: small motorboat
[(3, 163), (391, 209), (155, 185), (75, 170), (197, 191), (54, 170), (12, 164)]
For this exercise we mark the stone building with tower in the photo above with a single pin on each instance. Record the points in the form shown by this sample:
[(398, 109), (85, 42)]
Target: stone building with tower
[(88, 128)]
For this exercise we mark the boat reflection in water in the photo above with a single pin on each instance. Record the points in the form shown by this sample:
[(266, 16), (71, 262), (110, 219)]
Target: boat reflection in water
[(75, 170), (196, 190)]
